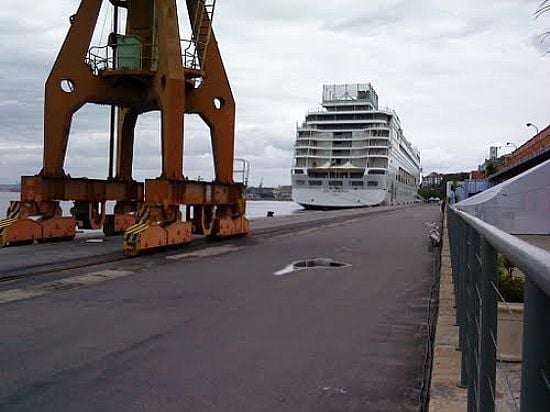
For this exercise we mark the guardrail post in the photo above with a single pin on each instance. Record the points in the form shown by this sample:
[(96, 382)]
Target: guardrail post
[(535, 371), (453, 231), (462, 305), (487, 370), (472, 305)]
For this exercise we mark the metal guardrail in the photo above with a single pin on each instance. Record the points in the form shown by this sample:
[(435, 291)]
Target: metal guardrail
[(474, 246), (100, 58)]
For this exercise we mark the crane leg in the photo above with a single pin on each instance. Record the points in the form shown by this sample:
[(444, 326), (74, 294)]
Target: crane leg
[(141, 72)]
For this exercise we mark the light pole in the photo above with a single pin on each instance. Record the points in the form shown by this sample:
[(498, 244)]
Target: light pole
[(534, 126), (506, 145)]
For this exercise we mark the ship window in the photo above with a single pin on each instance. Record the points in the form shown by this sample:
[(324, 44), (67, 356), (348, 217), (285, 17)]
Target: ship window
[(315, 182), (377, 172), (300, 182), (357, 183), (335, 183), (356, 175), (318, 174), (342, 135), (298, 172), (372, 184)]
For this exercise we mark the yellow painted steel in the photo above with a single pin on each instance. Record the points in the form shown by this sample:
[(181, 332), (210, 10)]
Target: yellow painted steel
[(4, 225)]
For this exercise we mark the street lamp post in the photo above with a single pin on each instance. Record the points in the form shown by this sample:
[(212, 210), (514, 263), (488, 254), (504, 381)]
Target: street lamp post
[(506, 145), (534, 126)]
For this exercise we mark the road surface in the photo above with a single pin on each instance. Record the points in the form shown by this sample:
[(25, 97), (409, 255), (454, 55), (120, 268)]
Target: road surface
[(215, 330)]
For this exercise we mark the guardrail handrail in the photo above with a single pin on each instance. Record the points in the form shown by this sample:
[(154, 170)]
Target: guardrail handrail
[(533, 261), (101, 57), (474, 246)]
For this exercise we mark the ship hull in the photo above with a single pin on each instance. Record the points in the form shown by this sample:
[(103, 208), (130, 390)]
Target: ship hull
[(337, 199)]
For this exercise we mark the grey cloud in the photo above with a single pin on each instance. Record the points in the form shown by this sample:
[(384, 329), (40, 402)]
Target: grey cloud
[(460, 74)]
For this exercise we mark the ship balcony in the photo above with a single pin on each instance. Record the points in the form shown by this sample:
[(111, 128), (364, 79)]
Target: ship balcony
[(304, 132), (315, 165), (317, 152), (312, 147), (336, 116), (314, 139), (378, 156), (333, 156), (377, 131), (329, 138), (363, 109), (382, 131), (346, 121), (353, 156), (309, 155), (377, 170), (379, 141), (369, 145), (354, 138), (354, 151), (378, 152), (326, 153), (377, 163)]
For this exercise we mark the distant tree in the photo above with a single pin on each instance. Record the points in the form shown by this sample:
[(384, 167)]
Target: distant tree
[(544, 7), (451, 177), (490, 168), (454, 177), (427, 192)]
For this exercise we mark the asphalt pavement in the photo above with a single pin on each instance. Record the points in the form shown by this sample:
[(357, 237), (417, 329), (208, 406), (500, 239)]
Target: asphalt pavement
[(216, 330)]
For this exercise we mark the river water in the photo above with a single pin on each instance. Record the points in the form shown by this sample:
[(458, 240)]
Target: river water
[(254, 208)]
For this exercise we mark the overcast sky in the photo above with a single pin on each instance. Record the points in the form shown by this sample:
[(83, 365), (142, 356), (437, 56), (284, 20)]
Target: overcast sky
[(462, 76)]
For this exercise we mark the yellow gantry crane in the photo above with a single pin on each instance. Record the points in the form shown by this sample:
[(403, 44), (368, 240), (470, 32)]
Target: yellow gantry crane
[(142, 70)]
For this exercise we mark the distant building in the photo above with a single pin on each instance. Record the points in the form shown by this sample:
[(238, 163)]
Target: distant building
[(260, 193), (283, 193), (533, 152), (477, 175), (432, 180)]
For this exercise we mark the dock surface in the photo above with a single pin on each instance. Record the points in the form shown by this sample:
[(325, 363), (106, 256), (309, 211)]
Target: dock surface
[(210, 327)]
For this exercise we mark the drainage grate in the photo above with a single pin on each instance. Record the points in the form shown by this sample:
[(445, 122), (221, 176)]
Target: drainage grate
[(311, 263)]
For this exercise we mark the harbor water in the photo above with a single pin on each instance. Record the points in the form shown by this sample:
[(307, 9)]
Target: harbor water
[(254, 208)]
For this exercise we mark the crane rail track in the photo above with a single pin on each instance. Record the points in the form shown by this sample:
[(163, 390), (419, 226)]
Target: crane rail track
[(284, 228)]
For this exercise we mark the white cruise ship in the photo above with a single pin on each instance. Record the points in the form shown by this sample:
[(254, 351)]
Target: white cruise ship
[(350, 153)]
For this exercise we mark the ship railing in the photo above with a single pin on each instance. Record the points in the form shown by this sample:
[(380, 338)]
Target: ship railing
[(474, 246), (354, 148), (357, 136)]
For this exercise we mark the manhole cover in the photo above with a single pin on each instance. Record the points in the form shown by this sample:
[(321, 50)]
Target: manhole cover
[(327, 263)]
